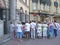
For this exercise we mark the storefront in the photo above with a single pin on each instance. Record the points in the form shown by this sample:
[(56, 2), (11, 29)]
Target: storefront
[(39, 16), (4, 17)]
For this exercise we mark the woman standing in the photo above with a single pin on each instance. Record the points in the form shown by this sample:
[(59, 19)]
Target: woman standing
[(39, 30), (45, 28), (19, 31), (51, 29)]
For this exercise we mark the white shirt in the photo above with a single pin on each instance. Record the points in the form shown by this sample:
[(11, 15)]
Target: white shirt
[(27, 26), (56, 25), (33, 25), (19, 27), (11, 27), (39, 26)]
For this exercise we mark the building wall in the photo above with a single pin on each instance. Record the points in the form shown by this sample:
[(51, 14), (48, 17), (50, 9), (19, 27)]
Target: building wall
[(21, 4), (52, 8)]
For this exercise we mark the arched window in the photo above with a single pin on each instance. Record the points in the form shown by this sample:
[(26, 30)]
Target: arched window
[(42, 7), (35, 4), (21, 9)]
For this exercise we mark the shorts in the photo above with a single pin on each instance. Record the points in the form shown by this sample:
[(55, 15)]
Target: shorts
[(19, 35)]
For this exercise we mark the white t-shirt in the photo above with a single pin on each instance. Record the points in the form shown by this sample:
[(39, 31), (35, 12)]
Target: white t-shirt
[(27, 26), (33, 25), (39, 26), (11, 27), (19, 27), (57, 25)]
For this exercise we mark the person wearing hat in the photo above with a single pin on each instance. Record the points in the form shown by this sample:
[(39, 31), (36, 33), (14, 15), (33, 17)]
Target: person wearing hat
[(19, 31)]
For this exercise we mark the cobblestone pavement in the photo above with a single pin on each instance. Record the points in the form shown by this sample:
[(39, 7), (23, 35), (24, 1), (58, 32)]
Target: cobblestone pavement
[(54, 41)]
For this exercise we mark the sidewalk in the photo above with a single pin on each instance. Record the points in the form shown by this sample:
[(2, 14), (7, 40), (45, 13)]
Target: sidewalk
[(5, 38), (55, 41)]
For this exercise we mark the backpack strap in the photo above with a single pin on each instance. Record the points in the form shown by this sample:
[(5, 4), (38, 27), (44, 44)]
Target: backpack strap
[(55, 25)]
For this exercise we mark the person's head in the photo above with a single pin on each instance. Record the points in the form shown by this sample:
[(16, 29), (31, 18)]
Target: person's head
[(10, 22), (32, 20), (23, 23), (39, 21), (54, 20), (45, 22)]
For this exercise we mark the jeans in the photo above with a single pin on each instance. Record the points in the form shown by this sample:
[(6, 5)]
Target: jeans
[(55, 32)]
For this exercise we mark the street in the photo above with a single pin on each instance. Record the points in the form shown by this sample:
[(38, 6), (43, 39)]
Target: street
[(54, 41)]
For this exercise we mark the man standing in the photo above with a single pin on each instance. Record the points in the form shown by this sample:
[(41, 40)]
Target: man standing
[(55, 28), (19, 31), (45, 28), (12, 30), (33, 27), (27, 26)]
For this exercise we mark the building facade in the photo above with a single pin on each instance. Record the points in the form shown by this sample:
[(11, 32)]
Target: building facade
[(11, 10), (44, 9), (23, 10)]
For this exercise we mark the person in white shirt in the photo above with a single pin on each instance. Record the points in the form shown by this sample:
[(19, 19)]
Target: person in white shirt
[(27, 31), (55, 28), (19, 31), (33, 27), (12, 30), (39, 30)]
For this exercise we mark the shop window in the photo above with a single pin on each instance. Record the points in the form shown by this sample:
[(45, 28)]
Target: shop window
[(48, 7), (42, 7), (34, 6)]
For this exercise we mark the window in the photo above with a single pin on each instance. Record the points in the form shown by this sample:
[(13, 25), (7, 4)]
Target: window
[(34, 6), (48, 8), (42, 7), (35, 18)]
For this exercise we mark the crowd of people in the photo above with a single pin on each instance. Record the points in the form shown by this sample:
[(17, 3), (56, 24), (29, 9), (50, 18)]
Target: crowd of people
[(33, 30)]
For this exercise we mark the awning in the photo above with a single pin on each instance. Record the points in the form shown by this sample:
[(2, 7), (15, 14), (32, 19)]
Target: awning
[(41, 13)]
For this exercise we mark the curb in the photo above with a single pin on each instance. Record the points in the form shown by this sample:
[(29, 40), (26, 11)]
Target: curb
[(5, 41)]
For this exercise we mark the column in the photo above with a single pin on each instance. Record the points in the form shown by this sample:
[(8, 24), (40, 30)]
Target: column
[(38, 4), (22, 17), (52, 8), (27, 17), (12, 4), (31, 5)]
